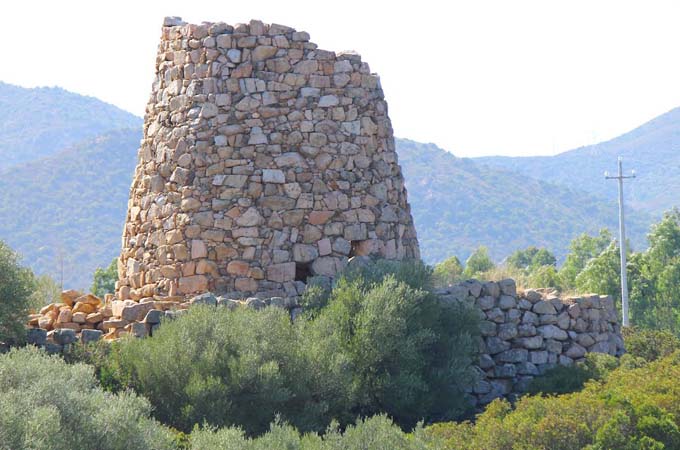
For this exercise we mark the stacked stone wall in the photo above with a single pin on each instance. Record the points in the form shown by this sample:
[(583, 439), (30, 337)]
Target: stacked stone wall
[(526, 333), (264, 160)]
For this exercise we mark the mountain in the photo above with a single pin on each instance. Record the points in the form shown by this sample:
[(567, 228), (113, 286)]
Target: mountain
[(652, 149), (63, 208), (39, 122), (69, 208), (459, 204)]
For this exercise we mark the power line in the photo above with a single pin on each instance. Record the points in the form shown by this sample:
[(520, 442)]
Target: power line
[(622, 239)]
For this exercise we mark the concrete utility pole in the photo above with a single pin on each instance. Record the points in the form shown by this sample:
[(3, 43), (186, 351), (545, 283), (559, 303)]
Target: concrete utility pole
[(622, 240)]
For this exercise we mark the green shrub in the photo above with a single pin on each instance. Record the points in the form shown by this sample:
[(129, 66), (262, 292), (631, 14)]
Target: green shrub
[(16, 288), (448, 272), (565, 379), (223, 367), (46, 403), (104, 280), (104, 359), (380, 344), (478, 262), (628, 408), (375, 433), (650, 344)]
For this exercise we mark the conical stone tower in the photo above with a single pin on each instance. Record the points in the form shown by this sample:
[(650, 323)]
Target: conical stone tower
[(265, 160)]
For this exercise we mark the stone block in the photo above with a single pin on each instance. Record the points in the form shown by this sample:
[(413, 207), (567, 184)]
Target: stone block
[(87, 336)]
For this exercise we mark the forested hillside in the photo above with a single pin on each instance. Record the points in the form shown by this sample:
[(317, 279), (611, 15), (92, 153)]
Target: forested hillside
[(69, 208), (39, 122), (459, 204), (652, 149)]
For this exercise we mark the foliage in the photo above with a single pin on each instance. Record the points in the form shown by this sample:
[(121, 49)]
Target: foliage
[(104, 281), (16, 287), (531, 258), (104, 358), (381, 344), (633, 407), (650, 344), (46, 291), (375, 433), (655, 277), (478, 262), (581, 250), (48, 404), (448, 272), (545, 276), (565, 379), (601, 274)]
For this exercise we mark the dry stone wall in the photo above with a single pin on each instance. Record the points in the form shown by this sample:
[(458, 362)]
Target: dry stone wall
[(264, 160), (526, 333)]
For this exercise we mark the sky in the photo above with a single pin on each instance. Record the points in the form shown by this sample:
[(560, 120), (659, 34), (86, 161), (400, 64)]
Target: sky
[(476, 77)]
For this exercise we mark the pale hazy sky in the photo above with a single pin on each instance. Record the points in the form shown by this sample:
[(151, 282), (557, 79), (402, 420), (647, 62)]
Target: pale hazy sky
[(475, 77)]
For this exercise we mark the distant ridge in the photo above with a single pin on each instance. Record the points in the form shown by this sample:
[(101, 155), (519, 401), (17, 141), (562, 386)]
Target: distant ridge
[(41, 121), (652, 149), (68, 203), (459, 204)]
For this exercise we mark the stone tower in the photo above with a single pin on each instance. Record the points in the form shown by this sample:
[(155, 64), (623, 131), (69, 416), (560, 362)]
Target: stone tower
[(264, 160)]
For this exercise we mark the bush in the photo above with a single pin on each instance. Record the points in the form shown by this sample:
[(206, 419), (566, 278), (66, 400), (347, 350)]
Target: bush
[(636, 408), (649, 344), (104, 280), (48, 404), (224, 367), (376, 433), (105, 360), (448, 272), (16, 287), (380, 344), (478, 262), (565, 379)]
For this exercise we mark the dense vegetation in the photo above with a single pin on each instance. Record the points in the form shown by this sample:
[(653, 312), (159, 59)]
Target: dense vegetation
[(380, 344), (636, 406), (46, 403), (65, 213), (17, 285), (650, 149)]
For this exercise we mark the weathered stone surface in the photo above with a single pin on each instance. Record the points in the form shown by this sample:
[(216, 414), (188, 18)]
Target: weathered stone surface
[(36, 336), (255, 142), (281, 272), (523, 337), (64, 336), (552, 332), (542, 307), (87, 336), (514, 355)]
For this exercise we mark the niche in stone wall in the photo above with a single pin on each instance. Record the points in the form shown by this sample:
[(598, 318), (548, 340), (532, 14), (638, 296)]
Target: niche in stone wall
[(303, 271)]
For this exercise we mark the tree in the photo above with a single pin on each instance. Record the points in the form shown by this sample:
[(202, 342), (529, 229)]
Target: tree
[(583, 248), (601, 274), (46, 291), (104, 281), (448, 272), (478, 262), (655, 277), (531, 258), (16, 286), (46, 403)]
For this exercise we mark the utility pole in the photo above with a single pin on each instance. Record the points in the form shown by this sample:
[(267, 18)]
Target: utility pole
[(622, 240)]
